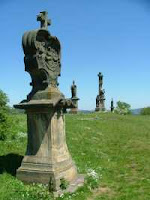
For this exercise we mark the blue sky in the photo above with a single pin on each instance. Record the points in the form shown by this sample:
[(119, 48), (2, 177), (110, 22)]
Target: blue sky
[(112, 37)]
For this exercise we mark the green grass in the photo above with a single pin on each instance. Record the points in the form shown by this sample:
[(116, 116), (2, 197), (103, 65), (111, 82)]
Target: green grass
[(116, 147)]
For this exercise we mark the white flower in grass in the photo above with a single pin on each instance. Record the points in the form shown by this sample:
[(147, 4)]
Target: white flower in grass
[(92, 173)]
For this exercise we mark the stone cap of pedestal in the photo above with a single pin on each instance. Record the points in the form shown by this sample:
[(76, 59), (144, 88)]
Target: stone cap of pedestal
[(57, 102), (75, 98), (45, 103)]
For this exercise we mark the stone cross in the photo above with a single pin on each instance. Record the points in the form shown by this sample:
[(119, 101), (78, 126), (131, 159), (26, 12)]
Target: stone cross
[(43, 18), (100, 81)]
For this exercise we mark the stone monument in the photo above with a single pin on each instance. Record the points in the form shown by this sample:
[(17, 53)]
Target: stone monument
[(47, 158), (112, 105), (74, 98), (100, 99)]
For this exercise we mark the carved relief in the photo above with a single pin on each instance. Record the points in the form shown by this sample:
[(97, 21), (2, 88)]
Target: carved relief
[(42, 59)]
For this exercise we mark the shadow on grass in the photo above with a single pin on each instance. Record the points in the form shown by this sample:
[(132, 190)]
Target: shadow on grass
[(10, 163)]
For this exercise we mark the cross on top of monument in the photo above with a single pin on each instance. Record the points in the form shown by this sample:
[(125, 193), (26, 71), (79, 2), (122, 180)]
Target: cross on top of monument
[(43, 18), (100, 74)]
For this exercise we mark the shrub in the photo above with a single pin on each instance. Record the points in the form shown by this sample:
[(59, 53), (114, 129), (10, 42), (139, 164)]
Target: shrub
[(3, 125), (4, 122), (3, 99), (145, 111), (9, 121), (122, 108)]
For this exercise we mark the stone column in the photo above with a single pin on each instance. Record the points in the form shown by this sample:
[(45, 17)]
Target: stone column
[(100, 99), (47, 158)]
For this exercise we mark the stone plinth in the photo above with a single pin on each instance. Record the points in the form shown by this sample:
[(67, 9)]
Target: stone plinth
[(99, 110), (75, 109), (100, 107), (47, 158)]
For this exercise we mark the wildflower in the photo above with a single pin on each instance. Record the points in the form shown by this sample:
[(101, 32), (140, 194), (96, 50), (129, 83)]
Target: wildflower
[(92, 173)]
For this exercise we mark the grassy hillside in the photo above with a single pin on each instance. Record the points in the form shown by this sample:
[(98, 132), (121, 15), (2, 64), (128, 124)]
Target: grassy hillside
[(113, 152)]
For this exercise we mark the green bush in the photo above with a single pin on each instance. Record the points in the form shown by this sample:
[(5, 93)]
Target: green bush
[(145, 111), (12, 121), (3, 125), (122, 108), (3, 99), (4, 122)]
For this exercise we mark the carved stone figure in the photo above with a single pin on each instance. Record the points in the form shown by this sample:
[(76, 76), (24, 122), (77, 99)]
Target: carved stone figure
[(47, 158), (74, 98), (74, 90), (112, 105), (100, 99)]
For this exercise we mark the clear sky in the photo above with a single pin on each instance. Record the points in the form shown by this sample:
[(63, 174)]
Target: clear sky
[(108, 36)]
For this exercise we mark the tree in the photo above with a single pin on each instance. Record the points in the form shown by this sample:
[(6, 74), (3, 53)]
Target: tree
[(145, 111), (3, 99), (123, 108), (4, 124)]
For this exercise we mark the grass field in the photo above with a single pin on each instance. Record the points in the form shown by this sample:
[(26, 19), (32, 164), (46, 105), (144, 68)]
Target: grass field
[(113, 152)]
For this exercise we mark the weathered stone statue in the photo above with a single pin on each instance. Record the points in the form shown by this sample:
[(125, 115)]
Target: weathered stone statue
[(47, 158), (74, 98), (74, 90), (100, 99), (112, 105)]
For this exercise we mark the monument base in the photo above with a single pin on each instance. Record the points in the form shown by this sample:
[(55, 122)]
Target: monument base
[(73, 111), (50, 174), (100, 109), (47, 158)]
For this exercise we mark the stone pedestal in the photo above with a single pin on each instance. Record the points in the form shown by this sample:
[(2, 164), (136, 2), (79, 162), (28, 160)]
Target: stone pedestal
[(75, 109), (47, 158), (100, 108)]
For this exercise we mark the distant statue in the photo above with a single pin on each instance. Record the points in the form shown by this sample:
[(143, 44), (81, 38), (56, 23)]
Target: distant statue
[(100, 98), (112, 105), (74, 90)]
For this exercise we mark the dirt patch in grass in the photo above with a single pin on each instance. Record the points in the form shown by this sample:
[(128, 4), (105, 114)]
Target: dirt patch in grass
[(100, 191)]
